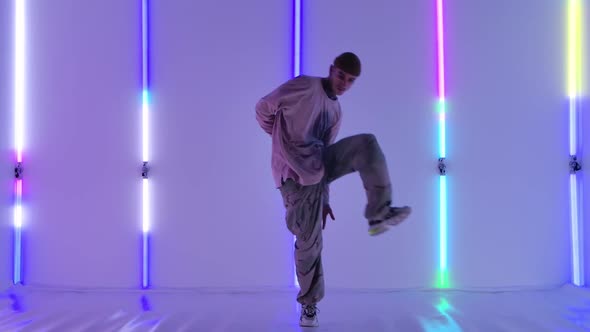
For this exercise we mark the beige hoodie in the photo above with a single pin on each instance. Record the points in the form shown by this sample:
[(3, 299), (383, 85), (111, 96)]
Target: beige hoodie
[(302, 121)]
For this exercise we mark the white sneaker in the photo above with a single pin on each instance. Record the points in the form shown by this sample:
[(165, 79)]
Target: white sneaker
[(309, 316), (394, 217)]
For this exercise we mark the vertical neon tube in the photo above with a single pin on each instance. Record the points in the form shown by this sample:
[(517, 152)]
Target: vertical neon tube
[(18, 215), (574, 89), (145, 101), (296, 72), (442, 280), (297, 38), (19, 110)]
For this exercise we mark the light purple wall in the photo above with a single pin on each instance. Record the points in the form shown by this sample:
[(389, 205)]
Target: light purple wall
[(508, 143), (507, 140), (83, 179), (6, 142), (585, 120), (394, 99), (585, 196), (217, 218)]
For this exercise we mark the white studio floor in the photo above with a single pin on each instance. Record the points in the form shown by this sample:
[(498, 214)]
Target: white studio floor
[(564, 308)]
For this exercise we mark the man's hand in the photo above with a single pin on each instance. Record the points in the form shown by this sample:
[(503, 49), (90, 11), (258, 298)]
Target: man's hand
[(327, 211)]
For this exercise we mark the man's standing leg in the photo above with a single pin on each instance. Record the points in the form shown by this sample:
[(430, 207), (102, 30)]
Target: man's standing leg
[(303, 216)]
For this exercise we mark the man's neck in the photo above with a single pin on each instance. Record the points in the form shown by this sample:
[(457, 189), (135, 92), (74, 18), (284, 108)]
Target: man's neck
[(328, 89)]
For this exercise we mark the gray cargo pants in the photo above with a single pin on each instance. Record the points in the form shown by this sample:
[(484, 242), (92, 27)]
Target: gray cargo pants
[(304, 205)]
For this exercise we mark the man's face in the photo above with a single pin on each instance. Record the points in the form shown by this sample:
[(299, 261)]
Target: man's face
[(340, 80)]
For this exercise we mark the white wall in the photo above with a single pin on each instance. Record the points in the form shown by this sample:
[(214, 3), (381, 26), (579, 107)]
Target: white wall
[(508, 143), (506, 136), (585, 124), (6, 142), (394, 99), (217, 218), (82, 225), (585, 176), (585, 197)]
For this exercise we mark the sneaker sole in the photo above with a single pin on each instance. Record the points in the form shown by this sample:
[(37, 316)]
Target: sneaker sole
[(397, 219), (378, 229), (309, 323), (387, 224)]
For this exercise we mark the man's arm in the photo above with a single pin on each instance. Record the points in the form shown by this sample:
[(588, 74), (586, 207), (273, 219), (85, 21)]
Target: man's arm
[(265, 114), (284, 95)]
